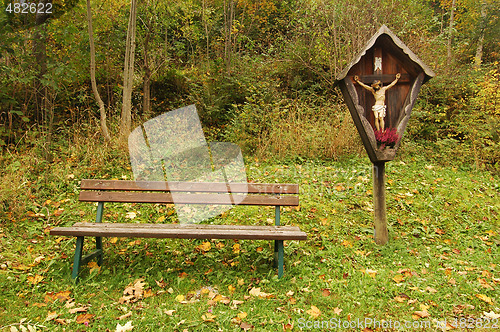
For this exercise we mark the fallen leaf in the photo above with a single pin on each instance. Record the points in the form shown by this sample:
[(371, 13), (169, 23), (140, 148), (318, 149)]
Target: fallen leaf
[(208, 317), (371, 273), (127, 315), (51, 315), (204, 247), (431, 290), (347, 243), (400, 299), (326, 292), (161, 283), (314, 311), (491, 315), (179, 298), (254, 291), (127, 327), (133, 292), (337, 310), (60, 321), (485, 284), (169, 312), (484, 298), (35, 279), (398, 278), (236, 248), (420, 314), (246, 326), (80, 309), (21, 267), (131, 215), (38, 260), (94, 267), (84, 318)]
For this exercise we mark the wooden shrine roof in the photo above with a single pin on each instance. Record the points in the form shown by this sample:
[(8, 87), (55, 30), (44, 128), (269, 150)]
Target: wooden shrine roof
[(384, 36)]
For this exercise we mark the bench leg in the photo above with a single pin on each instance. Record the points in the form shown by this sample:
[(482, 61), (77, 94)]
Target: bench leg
[(78, 257), (98, 246), (98, 252), (278, 245), (279, 256)]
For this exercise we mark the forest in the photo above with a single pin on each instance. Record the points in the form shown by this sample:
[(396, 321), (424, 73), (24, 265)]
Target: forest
[(261, 73), (77, 76)]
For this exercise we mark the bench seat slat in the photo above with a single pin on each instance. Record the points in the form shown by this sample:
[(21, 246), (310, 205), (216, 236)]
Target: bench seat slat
[(189, 231), (166, 198), (214, 187)]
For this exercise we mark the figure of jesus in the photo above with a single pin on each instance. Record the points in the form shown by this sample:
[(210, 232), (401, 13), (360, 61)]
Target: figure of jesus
[(379, 109)]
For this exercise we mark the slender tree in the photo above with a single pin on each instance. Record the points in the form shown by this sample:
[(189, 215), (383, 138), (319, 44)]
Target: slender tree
[(128, 73), (478, 58), (450, 34), (102, 110)]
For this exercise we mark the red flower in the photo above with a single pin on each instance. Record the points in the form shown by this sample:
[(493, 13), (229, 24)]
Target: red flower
[(388, 137)]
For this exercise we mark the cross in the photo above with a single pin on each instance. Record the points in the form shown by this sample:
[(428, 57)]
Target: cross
[(377, 71)]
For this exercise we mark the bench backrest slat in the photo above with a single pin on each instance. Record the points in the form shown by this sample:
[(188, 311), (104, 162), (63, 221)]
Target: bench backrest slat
[(206, 187), (185, 198)]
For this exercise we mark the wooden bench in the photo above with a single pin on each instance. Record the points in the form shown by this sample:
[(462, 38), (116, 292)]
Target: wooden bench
[(102, 191)]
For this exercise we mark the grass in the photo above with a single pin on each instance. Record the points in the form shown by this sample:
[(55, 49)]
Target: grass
[(441, 261)]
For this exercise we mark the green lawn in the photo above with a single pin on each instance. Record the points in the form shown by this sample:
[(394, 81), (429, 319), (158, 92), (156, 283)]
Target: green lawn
[(441, 262)]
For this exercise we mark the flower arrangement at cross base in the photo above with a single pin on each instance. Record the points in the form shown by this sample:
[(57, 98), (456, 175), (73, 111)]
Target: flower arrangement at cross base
[(387, 138)]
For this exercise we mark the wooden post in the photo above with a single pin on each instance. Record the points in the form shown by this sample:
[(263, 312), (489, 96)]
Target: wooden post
[(381, 234)]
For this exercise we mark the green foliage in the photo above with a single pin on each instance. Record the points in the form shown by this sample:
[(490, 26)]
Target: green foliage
[(463, 112), (266, 85)]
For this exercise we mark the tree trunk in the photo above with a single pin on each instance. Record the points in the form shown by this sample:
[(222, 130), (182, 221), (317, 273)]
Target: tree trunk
[(102, 110), (228, 27), (450, 34), (146, 86), (205, 25), (478, 58), (40, 53), (128, 74)]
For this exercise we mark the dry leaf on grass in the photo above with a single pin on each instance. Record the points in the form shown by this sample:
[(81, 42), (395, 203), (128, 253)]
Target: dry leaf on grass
[(314, 311), (208, 317), (255, 291), (420, 314), (124, 328), (134, 292), (484, 298), (127, 315), (84, 318), (398, 278), (79, 309)]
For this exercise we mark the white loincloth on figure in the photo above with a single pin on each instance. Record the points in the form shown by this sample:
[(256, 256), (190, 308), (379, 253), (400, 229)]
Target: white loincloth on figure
[(379, 111)]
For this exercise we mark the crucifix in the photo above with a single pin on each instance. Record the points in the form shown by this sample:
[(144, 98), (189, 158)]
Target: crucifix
[(386, 59), (378, 89)]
